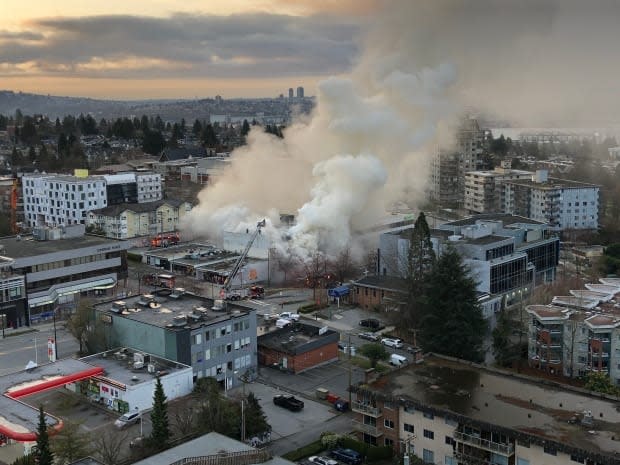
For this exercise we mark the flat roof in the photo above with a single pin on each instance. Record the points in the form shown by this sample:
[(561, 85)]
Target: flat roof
[(505, 218), (165, 308), (490, 239), (17, 416), (528, 406), (26, 246), (552, 183), (118, 366), (293, 338)]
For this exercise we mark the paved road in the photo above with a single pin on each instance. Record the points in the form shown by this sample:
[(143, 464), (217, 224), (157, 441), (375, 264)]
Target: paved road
[(17, 350)]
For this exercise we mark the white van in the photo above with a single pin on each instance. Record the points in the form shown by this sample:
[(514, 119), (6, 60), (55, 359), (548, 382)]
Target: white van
[(398, 360), (283, 323)]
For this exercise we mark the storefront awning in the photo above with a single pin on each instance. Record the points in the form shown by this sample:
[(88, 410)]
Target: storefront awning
[(53, 293), (338, 291)]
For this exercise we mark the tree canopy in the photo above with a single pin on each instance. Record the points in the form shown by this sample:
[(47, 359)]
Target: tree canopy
[(451, 320)]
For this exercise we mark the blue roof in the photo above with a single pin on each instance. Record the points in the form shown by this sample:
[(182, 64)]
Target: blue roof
[(338, 291)]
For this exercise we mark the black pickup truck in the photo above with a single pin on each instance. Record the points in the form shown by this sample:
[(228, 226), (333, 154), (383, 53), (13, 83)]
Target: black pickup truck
[(288, 402)]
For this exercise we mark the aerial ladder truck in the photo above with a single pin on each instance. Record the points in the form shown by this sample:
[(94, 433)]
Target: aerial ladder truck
[(225, 294)]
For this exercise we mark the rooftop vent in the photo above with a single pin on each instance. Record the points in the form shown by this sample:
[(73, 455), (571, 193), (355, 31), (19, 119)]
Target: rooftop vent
[(146, 299), (119, 306), (179, 320)]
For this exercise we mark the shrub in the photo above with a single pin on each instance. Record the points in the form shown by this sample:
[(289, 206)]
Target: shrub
[(314, 448), (372, 453)]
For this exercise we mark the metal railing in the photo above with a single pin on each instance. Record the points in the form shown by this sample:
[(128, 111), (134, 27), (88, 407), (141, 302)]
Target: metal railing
[(368, 429), (244, 457), (504, 449), (360, 407)]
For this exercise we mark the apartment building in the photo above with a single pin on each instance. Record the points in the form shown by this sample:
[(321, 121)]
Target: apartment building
[(13, 303), (450, 412), (578, 334), (181, 326), (61, 200), (483, 189), (563, 204), (444, 185), (55, 265), (126, 221)]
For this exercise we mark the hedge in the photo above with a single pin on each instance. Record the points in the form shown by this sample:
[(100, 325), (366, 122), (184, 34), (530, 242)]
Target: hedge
[(372, 453), (311, 308), (313, 448)]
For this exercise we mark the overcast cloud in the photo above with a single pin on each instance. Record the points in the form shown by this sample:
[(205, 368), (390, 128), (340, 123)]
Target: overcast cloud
[(245, 45)]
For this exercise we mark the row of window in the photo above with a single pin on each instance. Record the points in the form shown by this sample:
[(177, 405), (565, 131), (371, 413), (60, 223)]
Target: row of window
[(216, 333)]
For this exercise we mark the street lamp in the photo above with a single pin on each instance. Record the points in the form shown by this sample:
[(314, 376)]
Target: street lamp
[(140, 413), (55, 338), (3, 317)]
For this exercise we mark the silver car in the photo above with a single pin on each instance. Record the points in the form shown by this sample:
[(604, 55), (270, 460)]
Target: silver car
[(392, 342)]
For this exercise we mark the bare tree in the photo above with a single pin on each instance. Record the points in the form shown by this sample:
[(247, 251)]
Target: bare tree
[(109, 446), (287, 261), (70, 444), (184, 420), (78, 323), (315, 270), (343, 265)]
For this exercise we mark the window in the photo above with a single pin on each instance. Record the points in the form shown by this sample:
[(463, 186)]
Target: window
[(428, 456), (449, 460), (429, 434), (388, 405), (550, 450), (388, 423), (197, 339), (388, 442), (576, 458), (449, 440), (408, 428), (428, 415), (521, 461)]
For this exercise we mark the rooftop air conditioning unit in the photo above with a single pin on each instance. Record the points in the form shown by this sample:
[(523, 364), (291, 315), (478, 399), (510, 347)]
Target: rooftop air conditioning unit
[(150, 368), (138, 365)]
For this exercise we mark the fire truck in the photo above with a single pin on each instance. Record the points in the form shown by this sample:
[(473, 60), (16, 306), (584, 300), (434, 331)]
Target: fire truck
[(159, 280), (165, 239)]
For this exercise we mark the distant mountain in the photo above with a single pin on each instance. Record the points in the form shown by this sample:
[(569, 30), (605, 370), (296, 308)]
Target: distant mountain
[(169, 110)]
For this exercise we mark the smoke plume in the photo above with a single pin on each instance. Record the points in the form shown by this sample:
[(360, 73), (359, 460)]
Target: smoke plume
[(369, 140)]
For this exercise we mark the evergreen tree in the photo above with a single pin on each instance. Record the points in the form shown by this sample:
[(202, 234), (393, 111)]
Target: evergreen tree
[(153, 142), (160, 433), (208, 136), (197, 128), (43, 455), (451, 320), (255, 419), (245, 128), (144, 122), (420, 261)]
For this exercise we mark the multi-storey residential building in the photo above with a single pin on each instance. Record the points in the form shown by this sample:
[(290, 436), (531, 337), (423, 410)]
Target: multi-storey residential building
[(133, 188), (449, 166), (57, 264), (449, 412), (61, 200), (507, 254), (578, 334), (13, 304), (483, 189), (182, 327), (126, 221), (563, 204)]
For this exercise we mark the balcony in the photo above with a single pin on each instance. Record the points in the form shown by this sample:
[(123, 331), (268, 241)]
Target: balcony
[(503, 449), (470, 459), (600, 355), (368, 429), (361, 407)]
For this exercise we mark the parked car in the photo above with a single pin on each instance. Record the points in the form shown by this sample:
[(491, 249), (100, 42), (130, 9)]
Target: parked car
[(372, 323), (391, 342), (320, 460), (130, 418), (288, 402), (398, 360), (289, 316), (348, 456), (368, 336), (341, 405)]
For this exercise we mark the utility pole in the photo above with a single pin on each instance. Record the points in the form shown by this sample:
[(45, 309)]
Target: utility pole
[(349, 370)]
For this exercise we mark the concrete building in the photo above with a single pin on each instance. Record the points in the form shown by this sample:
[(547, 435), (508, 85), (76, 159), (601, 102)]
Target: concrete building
[(57, 265), (180, 326), (449, 412), (298, 347), (126, 221), (291, 92), (578, 334), (236, 242), (13, 301), (300, 92), (444, 185), (507, 254), (61, 200), (483, 189), (564, 205)]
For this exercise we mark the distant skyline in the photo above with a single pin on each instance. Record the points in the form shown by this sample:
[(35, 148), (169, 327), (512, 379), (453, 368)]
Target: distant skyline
[(141, 49)]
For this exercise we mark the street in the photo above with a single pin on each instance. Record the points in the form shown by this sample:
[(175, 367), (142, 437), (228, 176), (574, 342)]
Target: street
[(19, 349)]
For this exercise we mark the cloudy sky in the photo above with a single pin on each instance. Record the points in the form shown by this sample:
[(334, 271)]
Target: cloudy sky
[(168, 48)]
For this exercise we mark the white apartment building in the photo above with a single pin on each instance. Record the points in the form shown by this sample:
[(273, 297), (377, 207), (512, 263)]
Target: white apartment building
[(563, 204), (483, 189), (62, 200), (448, 412)]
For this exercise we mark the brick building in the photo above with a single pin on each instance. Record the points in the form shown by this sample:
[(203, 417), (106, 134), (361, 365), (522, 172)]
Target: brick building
[(379, 291), (298, 347)]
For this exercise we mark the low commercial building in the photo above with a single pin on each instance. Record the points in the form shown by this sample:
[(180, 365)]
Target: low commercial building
[(181, 327), (56, 264), (449, 412), (385, 292), (298, 347)]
